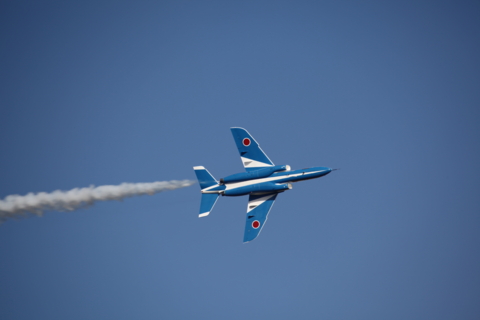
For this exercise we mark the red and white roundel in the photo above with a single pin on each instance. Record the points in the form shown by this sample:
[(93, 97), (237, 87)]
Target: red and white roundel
[(246, 142), (255, 224)]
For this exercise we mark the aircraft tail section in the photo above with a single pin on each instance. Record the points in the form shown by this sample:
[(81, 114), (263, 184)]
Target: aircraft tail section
[(205, 178), (208, 201)]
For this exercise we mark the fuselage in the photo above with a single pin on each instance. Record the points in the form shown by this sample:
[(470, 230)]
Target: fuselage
[(262, 181), (275, 182)]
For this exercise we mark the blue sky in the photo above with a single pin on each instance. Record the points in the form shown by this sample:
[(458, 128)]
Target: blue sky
[(110, 92)]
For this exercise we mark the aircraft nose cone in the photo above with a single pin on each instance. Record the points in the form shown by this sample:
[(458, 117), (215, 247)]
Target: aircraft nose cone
[(328, 170)]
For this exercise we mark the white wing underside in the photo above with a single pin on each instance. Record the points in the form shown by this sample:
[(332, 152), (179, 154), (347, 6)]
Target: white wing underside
[(249, 163)]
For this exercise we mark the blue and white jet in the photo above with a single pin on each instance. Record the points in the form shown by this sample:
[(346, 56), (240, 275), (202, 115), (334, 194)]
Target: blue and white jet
[(262, 182)]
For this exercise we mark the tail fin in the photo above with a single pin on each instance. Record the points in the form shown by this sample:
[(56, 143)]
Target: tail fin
[(208, 201), (205, 179)]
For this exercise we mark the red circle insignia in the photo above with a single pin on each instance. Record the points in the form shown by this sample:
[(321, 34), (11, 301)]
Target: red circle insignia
[(255, 224), (246, 142)]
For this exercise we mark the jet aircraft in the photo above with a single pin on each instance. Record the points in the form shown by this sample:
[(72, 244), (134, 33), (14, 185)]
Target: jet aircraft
[(262, 182)]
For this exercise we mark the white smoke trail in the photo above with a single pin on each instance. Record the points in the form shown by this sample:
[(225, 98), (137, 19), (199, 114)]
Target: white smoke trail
[(16, 205)]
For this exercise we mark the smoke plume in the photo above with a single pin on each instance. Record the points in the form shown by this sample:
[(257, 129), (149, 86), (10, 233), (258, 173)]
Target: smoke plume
[(16, 205)]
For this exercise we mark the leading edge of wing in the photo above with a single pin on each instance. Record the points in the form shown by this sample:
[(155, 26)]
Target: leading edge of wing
[(257, 213)]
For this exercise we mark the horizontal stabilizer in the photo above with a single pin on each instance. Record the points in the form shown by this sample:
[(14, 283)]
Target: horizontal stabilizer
[(205, 178), (208, 201)]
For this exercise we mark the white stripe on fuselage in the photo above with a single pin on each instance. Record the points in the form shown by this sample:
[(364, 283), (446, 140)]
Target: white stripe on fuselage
[(235, 185)]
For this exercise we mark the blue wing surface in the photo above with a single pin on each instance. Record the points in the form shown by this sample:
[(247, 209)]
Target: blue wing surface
[(253, 157), (257, 213)]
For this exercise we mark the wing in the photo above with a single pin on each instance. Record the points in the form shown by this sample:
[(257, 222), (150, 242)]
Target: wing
[(253, 157), (257, 213)]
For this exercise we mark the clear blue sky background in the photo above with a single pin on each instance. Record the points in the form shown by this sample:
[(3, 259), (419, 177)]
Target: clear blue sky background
[(110, 92)]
